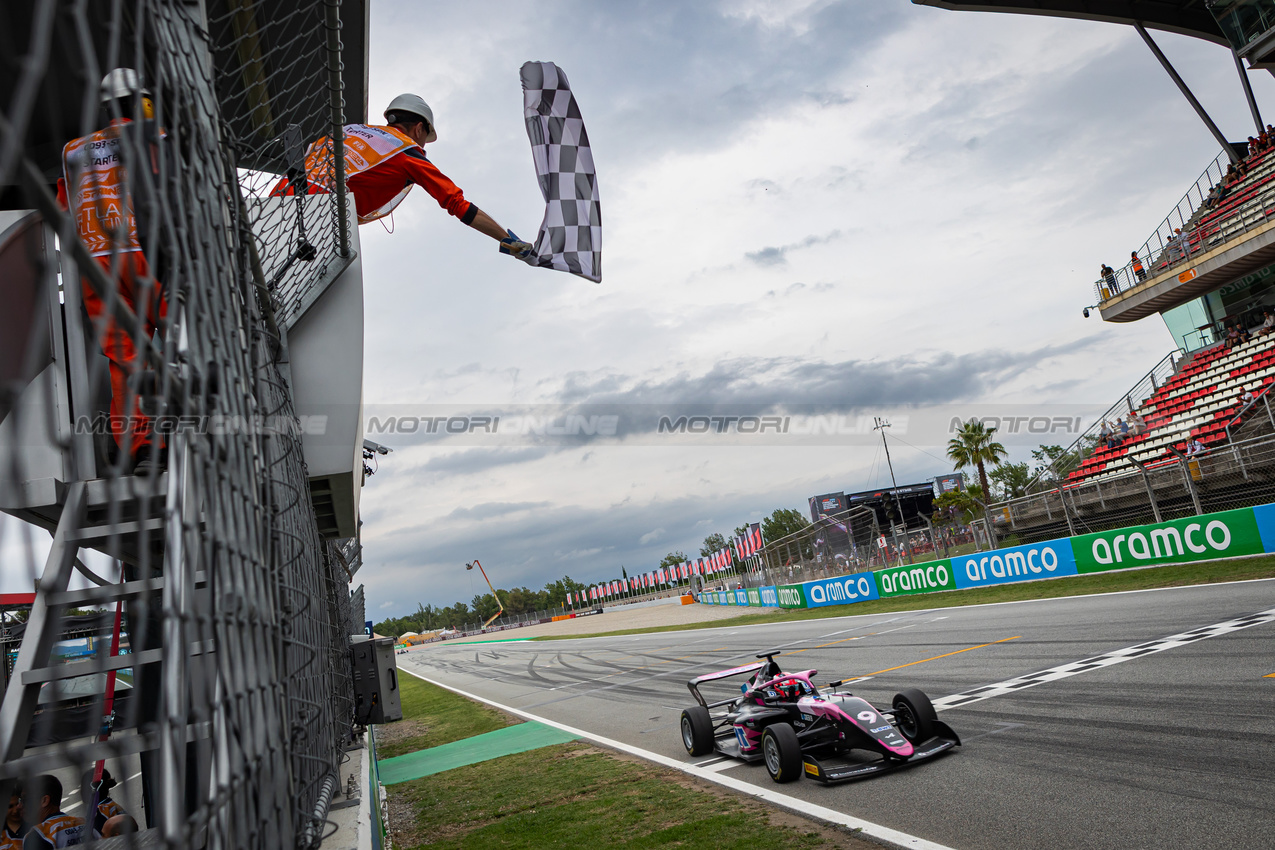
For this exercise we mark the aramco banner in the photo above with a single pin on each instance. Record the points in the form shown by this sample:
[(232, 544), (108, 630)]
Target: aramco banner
[(1246, 531)]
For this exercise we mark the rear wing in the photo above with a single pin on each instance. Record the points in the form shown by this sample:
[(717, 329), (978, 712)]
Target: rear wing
[(693, 684)]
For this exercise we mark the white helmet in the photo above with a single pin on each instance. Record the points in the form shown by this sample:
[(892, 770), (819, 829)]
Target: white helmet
[(411, 104), (122, 82)]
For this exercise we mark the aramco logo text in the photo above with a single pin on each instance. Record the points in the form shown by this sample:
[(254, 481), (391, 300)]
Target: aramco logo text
[(844, 590), (1146, 547), (1012, 564), (933, 577), (790, 597)]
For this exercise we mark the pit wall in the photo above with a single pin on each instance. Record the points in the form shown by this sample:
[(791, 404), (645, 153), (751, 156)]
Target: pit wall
[(1246, 531)]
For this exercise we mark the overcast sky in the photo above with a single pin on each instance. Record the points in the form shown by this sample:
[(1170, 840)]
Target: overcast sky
[(846, 206)]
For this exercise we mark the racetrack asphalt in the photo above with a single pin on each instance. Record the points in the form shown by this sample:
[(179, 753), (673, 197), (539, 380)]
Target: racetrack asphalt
[(1172, 747)]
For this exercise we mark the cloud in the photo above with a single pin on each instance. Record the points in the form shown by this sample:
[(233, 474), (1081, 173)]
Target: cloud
[(487, 510), (764, 383), (651, 536), (772, 256), (472, 461)]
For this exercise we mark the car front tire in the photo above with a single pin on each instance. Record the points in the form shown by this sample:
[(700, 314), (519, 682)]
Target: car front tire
[(697, 731), (914, 715), (782, 752)]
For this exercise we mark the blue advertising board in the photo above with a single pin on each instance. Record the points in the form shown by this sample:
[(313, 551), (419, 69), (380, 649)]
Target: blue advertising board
[(840, 591), (1017, 563)]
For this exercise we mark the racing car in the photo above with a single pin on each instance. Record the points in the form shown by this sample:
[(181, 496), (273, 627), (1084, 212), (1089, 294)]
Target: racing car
[(795, 727)]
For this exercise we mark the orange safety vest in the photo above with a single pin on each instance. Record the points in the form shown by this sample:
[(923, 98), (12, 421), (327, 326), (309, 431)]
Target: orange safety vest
[(106, 809), (1137, 264), (366, 146), (61, 830), (97, 193)]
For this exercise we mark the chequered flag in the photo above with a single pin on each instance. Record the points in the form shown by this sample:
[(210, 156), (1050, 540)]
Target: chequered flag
[(570, 237)]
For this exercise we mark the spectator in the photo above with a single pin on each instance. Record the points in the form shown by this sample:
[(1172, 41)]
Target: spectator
[(1195, 448), (1214, 195), (1137, 265), (1232, 335), (1139, 424), (119, 825), (1124, 429), (50, 826), (1104, 433), (1247, 398), (106, 807), (14, 827), (1109, 275), (1180, 244), (1268, 325)]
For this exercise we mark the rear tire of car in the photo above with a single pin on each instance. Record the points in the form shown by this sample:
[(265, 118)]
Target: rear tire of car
[(782, 752), (914, 715), (697, 731)]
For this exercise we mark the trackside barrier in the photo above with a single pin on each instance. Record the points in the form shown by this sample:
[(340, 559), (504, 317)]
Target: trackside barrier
[(1246, 531)]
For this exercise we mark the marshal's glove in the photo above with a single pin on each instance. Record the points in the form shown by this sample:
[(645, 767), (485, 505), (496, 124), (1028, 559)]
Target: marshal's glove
[(516, 247)]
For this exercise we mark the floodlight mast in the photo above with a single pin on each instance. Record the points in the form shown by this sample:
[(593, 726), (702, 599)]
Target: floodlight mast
[(495, 595), (881, 425)]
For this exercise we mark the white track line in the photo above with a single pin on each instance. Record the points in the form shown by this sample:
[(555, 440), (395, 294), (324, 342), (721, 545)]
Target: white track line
[(802, 807), (1117, 656)]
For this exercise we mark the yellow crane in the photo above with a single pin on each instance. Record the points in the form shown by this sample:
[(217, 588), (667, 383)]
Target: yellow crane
[(496, 596)]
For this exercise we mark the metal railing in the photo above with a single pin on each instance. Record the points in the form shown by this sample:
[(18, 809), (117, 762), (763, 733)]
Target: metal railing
[(1240, 473), (850, 542), (1168, 247), (1132, 400)]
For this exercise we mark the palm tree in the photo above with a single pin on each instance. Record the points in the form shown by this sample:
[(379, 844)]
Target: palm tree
[(973, 446)]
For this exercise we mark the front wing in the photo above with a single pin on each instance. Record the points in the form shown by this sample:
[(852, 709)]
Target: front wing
[(833, 770)]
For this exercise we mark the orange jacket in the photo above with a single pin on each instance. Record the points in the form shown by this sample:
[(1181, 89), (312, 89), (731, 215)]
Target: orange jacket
[(381, 166)]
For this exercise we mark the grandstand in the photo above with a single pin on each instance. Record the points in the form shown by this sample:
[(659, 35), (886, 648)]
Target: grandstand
[(1202, 401)]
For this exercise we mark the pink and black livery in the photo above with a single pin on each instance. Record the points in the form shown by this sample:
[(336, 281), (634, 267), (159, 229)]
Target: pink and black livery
[(792, 725)]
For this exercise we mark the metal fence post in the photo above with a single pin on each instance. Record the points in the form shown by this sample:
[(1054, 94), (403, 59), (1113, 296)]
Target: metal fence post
[(1146, 480), (1062, 498), (1190, 482)]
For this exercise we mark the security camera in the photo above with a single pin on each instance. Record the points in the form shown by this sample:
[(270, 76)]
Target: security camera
[(1086, 312)]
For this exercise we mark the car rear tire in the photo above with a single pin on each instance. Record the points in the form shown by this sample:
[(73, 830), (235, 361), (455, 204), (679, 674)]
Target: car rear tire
[(782, 752), (697, 731), (914, 715)]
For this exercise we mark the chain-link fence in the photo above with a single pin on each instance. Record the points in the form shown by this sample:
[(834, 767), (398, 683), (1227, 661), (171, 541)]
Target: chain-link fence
[(1233, 475), (857, 541), (189, 624)]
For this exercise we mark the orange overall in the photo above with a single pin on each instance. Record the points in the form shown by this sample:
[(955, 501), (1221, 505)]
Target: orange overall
[(95, 191)]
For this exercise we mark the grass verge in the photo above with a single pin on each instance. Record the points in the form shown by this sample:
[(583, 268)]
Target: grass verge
[(433, 716), (568, 795), (575, 795), (1172, 575)]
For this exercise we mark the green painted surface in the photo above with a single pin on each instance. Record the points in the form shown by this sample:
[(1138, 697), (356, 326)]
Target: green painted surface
[(502, 742), (1197, 538)]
